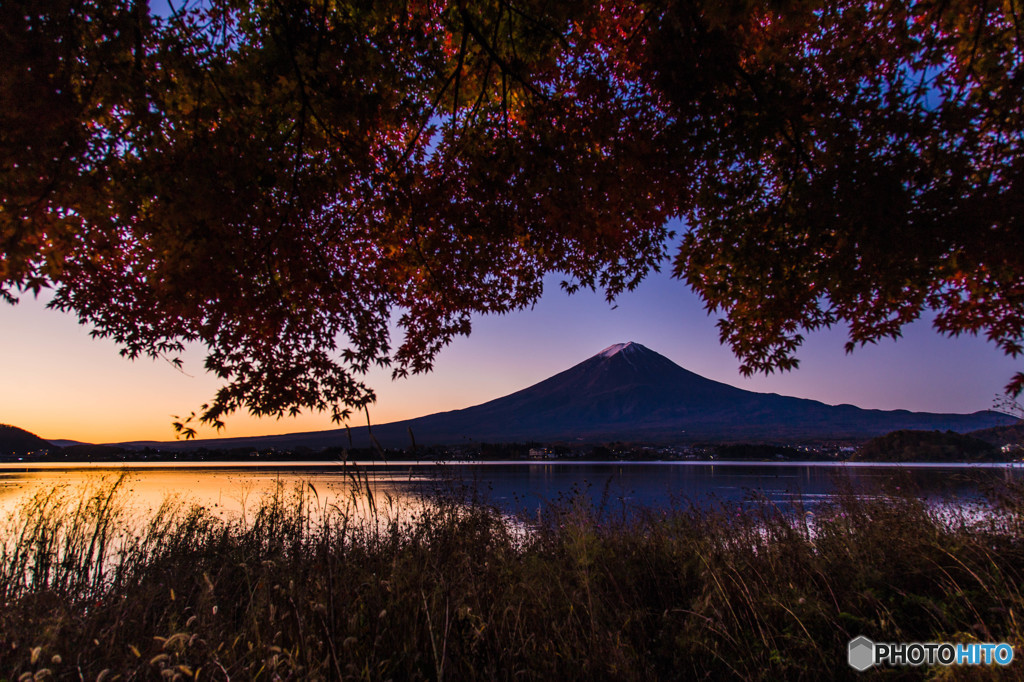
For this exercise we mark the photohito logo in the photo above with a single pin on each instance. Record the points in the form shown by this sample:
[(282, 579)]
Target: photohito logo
[(863, 653)]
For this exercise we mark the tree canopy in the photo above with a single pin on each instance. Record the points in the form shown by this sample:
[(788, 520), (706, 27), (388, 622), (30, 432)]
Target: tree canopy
[(284, 181)]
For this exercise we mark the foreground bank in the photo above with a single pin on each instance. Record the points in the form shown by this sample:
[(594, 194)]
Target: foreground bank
[(456, 591)]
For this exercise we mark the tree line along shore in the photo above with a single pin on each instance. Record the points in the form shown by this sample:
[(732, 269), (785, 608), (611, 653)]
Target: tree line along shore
[(1002, 444)]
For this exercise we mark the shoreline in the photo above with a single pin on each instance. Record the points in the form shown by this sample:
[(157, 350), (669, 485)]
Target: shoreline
[(313, 464)]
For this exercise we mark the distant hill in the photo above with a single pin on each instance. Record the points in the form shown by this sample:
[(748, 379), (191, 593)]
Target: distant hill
[(926, 446), (1001, 435), (629, 393), (87, 451), (63, 443), (15, 441)]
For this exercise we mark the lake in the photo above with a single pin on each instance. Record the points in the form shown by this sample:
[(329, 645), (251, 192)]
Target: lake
[(232, 489)]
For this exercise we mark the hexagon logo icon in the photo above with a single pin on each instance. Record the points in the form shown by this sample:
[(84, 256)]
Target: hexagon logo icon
[(861, 654)]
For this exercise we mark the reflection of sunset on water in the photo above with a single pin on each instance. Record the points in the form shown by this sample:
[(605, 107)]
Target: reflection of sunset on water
[(230, 493), (397, 490)]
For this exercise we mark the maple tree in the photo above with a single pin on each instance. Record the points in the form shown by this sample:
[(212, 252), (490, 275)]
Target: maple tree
[(283, 181)]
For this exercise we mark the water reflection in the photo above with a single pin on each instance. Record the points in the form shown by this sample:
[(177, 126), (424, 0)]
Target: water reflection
[(614, 486), (232, 491), (232, 494)]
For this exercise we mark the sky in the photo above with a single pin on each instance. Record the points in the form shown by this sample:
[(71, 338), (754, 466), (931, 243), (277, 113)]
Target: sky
[(59, 383)]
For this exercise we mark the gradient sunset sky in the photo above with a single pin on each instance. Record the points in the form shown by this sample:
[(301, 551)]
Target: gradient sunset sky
[(60, 383)]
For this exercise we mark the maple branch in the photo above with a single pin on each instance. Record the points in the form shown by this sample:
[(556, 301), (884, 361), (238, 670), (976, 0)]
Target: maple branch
[(489, 49)]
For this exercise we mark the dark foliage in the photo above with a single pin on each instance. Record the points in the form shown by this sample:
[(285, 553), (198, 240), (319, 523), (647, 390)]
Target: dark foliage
[(758, 451), (926, 446), (279, 181), (455, 592)]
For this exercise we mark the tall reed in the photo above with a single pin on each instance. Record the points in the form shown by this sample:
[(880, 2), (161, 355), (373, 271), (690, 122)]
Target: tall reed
[(456, 590)]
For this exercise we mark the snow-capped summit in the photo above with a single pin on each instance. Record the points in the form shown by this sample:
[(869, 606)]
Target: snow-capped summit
[(618, 348)]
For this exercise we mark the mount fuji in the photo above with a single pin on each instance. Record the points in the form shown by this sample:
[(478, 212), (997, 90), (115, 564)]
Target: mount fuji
[(630, 393)]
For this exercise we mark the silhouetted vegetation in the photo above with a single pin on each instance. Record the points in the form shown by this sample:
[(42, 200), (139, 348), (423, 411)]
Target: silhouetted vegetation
[(761, 451), (458, 591), (1002, 435), (927, 446), (16, 441), (898, 446), (389, 170)]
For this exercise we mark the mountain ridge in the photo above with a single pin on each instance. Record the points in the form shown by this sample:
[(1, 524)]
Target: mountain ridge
[(624, 392)]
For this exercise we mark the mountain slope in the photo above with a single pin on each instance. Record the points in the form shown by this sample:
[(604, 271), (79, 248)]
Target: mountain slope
[(628, 392), (15, 441)]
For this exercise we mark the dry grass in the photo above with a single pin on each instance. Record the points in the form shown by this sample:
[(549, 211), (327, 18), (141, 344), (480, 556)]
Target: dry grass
[(456, 593)]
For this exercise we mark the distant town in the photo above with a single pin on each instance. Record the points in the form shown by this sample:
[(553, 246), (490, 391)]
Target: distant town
[(1003, 444)]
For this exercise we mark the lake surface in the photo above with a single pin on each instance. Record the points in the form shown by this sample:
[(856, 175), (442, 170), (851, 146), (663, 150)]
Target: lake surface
[(233, 489)]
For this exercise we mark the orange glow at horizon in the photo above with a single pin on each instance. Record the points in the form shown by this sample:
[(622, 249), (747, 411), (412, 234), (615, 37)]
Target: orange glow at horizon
[(59, 383)]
